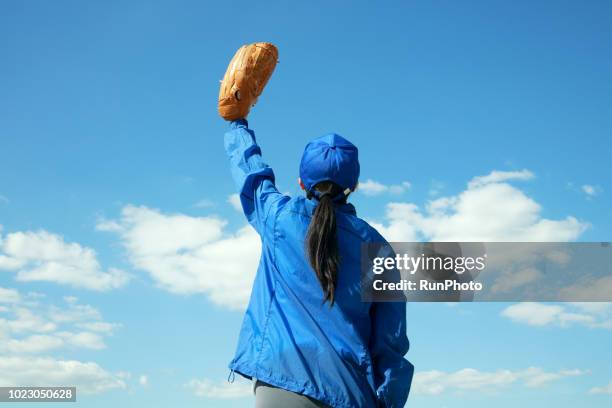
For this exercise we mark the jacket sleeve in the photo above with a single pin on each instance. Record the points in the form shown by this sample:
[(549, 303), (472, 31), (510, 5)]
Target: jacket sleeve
[(258, 194), (388, 345)]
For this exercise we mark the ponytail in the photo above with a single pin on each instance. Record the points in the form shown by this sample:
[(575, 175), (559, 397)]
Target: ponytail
[(321, 240)]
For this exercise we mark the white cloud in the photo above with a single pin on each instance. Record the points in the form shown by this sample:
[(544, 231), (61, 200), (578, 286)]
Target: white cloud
[(43, 256), (188, 255), (468, 379), (29, 328), (497, 176), (143, 380), (105, 225), (8, 263), (607, 389), (488, 210), (436, 188), (561, 315), (148, 232), (86, 340), (208, 389), (26, 321), (3, 200), (591, 288), (8, 295), (40, 343), (88, 377), (591, 190), (33, 344), (73, 312), (511, 279), (533, 314), (596, 308), (32, 327), (100, 327), (234, 201), (373, 188), (204, 203)]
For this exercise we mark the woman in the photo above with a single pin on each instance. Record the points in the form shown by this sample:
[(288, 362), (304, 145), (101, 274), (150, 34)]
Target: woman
[(307, 339)]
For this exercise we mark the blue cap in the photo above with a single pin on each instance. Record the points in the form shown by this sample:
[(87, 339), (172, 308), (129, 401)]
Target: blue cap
[(330, 158)]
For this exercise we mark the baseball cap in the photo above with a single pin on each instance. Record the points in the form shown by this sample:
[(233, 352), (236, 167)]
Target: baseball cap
[(330, 158)]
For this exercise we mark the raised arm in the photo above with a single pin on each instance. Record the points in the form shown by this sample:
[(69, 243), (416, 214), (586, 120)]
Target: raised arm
[(254, 179)]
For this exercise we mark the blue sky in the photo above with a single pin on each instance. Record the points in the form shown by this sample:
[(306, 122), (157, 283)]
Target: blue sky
[(121, 251)]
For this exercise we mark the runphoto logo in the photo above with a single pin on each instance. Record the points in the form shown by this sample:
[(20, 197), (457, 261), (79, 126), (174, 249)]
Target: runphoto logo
[(425, 285)]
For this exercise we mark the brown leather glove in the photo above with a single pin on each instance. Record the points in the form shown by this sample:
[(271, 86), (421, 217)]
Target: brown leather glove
[(246, 76)]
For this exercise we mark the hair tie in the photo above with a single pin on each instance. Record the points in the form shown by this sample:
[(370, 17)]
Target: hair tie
[(336, 198)]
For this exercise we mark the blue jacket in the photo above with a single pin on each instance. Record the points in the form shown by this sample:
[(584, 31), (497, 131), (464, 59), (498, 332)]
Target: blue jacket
[(349, 355)]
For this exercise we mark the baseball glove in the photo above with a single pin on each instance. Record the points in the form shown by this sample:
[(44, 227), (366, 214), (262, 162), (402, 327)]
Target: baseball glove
[(245, 78)]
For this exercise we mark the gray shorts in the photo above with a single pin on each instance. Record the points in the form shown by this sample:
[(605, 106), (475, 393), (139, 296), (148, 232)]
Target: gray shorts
[(267, 396)]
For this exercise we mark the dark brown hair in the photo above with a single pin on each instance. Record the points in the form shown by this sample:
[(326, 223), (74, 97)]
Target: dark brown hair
[(321, 240)]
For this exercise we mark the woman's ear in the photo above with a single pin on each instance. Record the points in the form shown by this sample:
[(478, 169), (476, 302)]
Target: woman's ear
[(301, 184)]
